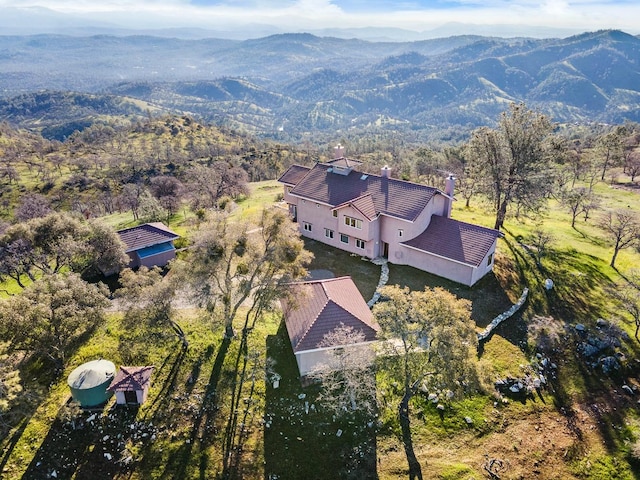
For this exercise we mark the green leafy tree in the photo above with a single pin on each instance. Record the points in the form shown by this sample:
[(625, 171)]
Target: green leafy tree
[(513, 163), (230, 265), (50, 315), (429, 342), (59, 241)]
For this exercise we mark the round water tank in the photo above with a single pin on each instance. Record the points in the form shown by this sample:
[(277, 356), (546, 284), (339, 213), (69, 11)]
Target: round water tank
[(89, 382)]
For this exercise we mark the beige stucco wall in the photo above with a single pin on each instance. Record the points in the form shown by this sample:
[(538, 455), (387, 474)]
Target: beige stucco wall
[(320, 216), (309, 359), (458, 272)]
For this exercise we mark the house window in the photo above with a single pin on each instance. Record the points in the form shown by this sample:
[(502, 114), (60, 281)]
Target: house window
[(360, 243), (317, 205), (328, 233), (335, 213), (400, 232), (353, 222), (306, 226), (344, 238), (490, 259)]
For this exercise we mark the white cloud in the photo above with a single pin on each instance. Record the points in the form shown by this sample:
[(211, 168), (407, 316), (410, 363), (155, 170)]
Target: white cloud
[(296, 15)]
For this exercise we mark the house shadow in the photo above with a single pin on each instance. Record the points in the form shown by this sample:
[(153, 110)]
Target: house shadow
[(301, 438), (84, 444)]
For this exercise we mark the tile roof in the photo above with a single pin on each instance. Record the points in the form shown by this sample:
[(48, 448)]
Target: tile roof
[(294, 174), (131, 379), (364, 205), (343, 162), (460, 241), (146, 235), (324, 305), (390, 196)]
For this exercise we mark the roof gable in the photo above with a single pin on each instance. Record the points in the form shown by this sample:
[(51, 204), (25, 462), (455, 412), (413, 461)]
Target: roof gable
[(146, 235), (294, 174), (459, 241), (131, 379), (397, 198), (364, 205), (321, 307)]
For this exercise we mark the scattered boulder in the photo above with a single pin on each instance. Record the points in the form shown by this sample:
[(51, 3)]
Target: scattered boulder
[(609, 364), (580, 327)]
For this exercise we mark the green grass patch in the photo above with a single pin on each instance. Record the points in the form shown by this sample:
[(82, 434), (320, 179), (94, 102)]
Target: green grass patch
[(456, 471)]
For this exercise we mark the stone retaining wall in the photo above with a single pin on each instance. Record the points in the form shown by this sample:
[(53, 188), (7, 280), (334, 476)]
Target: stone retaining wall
[(503, 316)]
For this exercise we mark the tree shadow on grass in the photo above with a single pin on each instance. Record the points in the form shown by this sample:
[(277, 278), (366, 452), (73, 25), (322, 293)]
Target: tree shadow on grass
[(178, 463), (86, 446), (302, 440)]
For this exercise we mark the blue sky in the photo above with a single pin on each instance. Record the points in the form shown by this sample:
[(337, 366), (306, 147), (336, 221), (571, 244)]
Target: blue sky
[(305, 15)]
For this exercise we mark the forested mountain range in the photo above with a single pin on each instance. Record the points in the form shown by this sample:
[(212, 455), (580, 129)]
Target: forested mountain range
[(292, 84)]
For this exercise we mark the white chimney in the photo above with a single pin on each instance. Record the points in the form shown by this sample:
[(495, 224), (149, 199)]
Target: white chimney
[(385, 171), (338, 152), (449, 187)]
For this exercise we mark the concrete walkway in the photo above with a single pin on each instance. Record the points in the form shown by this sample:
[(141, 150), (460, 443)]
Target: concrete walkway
[(384, 278)]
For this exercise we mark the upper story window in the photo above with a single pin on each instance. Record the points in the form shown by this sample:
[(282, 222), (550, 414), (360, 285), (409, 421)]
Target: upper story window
[(490, 259), (353, 222), (400, 232), (335, 213)]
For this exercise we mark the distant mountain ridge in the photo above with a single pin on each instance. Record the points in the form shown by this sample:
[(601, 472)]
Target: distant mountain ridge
[(301, 82)]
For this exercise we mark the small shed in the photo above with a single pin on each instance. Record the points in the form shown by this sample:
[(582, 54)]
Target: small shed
[(149, 245), (131, 385), (89, 382)]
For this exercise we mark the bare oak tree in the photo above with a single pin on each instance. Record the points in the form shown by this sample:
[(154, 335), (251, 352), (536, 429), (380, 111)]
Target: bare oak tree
[(628, 295), (623, 230), (347, 377)]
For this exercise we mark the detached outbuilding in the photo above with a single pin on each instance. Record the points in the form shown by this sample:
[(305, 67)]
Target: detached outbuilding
[(149, 245), (131, 385), (318, 308)]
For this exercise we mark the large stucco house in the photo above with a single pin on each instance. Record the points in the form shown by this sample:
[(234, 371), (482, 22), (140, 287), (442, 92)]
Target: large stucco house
[(379, 216)]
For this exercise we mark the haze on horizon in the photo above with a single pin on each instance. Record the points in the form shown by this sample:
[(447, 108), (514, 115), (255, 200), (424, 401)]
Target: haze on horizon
[(498, 17)]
